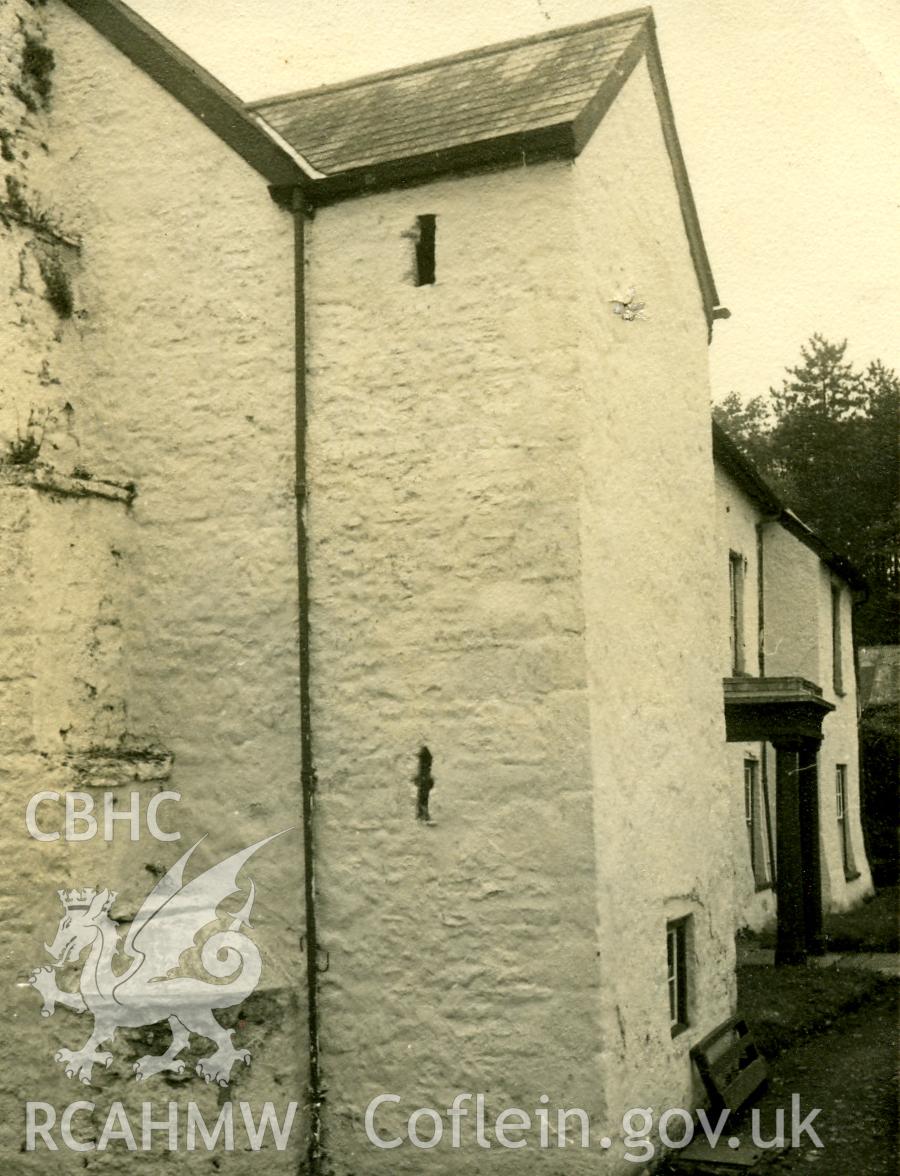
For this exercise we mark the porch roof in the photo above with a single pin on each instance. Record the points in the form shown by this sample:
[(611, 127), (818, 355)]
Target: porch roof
[(773, 709)]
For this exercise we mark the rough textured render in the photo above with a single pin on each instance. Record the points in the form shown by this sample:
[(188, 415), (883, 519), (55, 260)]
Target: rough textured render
[(506, 486), (542, 81), (797, 642), (447, 613), (513, 563), (648, 569), (798, 632), (150, 639)]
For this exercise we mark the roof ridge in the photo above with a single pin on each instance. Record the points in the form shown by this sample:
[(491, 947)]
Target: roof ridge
[(465, 55)]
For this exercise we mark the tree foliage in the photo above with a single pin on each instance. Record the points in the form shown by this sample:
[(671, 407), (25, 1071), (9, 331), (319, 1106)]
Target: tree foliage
[(826, 441)]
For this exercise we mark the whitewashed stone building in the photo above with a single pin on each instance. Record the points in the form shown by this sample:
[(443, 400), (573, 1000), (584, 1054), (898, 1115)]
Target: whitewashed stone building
[(790, 616), (346, 491)]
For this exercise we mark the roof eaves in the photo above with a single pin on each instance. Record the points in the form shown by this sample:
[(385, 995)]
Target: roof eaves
[(728, 456), (524, 147), (252, 137), (535, 144), (198, 91), (839, 564)]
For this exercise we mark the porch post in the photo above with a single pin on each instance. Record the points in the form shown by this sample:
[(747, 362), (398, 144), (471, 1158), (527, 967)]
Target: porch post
[(809, 831), (790, 944), (788, 714)]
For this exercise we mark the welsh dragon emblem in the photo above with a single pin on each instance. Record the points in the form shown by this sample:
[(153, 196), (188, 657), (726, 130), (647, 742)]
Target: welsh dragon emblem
[(170, 972)]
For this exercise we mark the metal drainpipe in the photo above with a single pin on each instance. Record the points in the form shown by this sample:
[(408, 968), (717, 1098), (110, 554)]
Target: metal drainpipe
[(760, 600), (761, 591), (307, 764)]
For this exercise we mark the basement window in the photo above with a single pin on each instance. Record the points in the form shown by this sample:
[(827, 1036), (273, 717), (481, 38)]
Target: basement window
[(677, 936), (425, 249)]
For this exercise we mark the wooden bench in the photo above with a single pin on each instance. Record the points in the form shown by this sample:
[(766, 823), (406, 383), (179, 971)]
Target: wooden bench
[(731, 1066)]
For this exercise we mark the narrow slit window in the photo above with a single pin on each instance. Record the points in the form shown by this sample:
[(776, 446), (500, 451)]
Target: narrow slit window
[(425, 249), (677, 974)]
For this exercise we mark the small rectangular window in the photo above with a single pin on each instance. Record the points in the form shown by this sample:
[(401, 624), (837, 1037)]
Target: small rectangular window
[(677, 973), (736, 609), (840, 800), (756, 821), (837, 675), (749, 770), (425, 249)]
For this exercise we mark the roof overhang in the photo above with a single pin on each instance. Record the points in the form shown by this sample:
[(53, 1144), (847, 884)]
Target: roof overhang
[(534, 146), (247, 132), (564, 140)]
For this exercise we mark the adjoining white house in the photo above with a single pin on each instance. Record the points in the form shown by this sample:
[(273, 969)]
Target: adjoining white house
[(790, 617), (879, 691), (364, 506)]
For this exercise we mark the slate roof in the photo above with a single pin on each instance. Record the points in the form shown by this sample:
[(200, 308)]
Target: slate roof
[(509, 89), (536, 98), (879, 678)]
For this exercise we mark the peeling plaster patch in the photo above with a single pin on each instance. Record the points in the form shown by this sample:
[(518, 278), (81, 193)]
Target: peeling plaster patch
[(628, 307)]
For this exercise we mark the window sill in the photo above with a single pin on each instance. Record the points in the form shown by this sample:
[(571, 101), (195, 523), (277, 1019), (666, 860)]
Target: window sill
[(852, 876), (678, 1029), (761, 886)]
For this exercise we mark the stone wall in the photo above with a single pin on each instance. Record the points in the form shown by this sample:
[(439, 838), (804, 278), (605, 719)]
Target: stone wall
[(649, 567), (842, 887), (152, 626), (798, 634), (40, 252), (798, 642), (513, 565), (507, 488), (736, 519), (447, 613)]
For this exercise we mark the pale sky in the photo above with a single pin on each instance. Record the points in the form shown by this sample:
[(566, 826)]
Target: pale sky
[(788, 113)]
